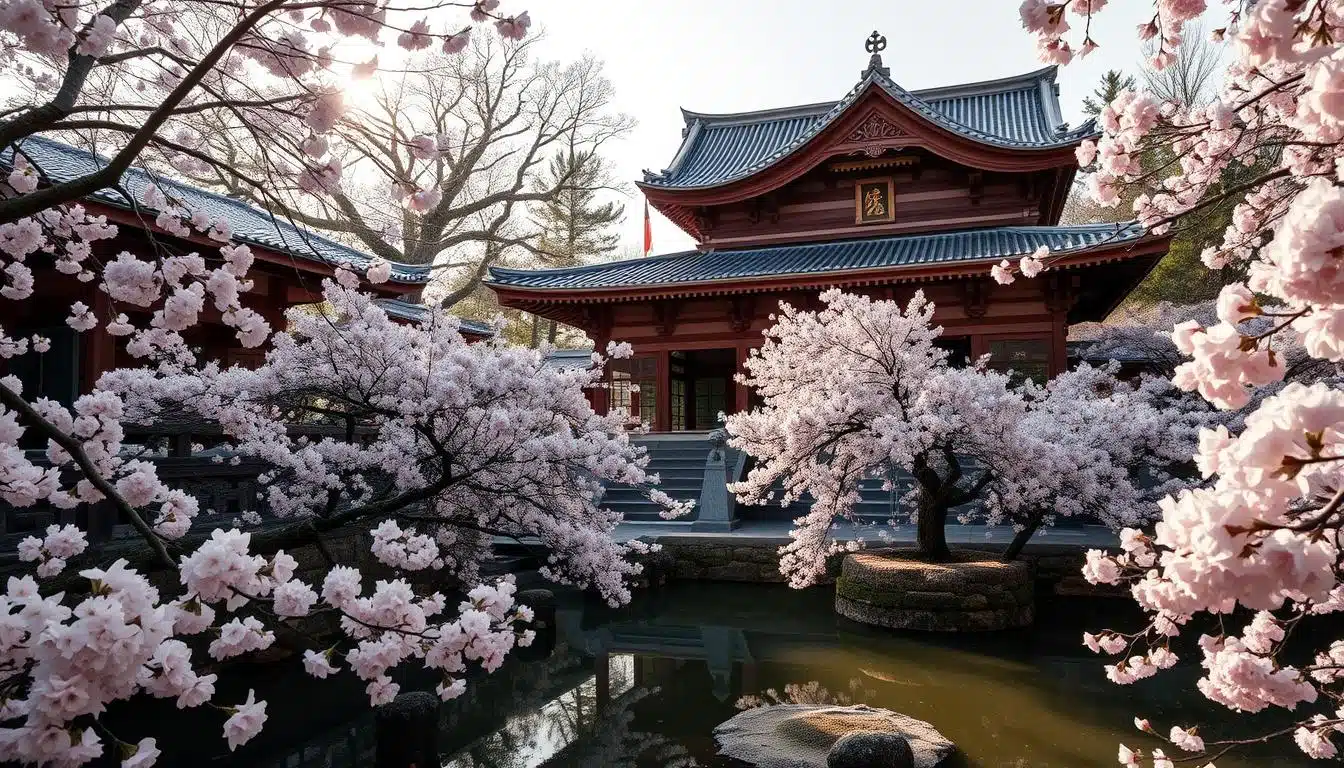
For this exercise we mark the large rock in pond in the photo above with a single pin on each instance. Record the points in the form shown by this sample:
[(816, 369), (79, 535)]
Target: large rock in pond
[(871, 750), (802, 736)]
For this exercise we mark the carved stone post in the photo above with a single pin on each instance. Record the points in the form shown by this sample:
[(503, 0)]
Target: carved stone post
[(716, 503)]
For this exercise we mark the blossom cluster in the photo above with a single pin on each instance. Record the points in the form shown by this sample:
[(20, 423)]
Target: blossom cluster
[(51, 552), (1262, 529)]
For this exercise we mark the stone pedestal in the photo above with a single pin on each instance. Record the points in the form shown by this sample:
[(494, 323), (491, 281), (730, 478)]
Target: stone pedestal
[(971, 594), (716, 503)]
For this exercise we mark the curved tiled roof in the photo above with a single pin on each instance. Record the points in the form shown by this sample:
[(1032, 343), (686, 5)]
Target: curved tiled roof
[(414, 312), (819, 258), (1019, 112), (60, 162)]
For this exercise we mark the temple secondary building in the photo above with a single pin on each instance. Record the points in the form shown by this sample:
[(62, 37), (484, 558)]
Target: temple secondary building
[(883, 192), (290, 265)]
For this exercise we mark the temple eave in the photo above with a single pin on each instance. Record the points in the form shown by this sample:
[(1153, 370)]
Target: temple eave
[(514, 296)]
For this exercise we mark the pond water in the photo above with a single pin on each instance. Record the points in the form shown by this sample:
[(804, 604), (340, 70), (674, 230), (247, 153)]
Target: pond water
[(645, 685)]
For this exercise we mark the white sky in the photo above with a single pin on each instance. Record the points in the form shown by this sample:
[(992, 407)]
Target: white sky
[(736, 55)]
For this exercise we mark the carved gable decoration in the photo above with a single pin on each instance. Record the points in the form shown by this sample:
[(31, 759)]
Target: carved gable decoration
[(875, 128), (874, 134)]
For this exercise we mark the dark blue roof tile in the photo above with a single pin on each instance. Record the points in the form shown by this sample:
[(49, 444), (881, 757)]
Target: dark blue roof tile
[(407, 310), (1019, 112), (61, 162), (819, 258)]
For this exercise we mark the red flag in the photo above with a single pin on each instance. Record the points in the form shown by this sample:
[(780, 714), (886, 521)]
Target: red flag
[(648, 230)]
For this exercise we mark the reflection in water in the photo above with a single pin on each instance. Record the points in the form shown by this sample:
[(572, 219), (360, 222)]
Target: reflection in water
[(586, 726), (811, 693), (644, 686)]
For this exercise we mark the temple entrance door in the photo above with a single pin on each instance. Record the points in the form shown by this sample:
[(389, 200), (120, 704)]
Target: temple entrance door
[(701, 388)]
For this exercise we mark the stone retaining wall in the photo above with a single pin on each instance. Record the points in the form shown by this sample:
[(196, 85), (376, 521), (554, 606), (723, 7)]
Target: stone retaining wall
[(717, 560), (1055, 567)]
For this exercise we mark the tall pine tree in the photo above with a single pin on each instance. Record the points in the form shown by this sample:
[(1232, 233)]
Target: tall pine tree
[(576, 227), (1112, 83)]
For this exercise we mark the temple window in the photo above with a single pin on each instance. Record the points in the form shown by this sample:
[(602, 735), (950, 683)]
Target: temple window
[(1026, 358), (634, 387)]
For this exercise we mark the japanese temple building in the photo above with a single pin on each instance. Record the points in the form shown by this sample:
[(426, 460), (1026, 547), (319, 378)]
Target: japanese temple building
[(884, 192)]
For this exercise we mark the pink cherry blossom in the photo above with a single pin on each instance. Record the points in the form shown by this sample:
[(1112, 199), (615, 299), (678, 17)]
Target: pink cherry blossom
[(24, 177), (1034, 264), (245, 721), (417, 37), (482, 9), (146, 754), (513, 27), (457, 43)]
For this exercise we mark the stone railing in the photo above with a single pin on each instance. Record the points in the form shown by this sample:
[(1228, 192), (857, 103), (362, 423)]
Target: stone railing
[(188, 456)]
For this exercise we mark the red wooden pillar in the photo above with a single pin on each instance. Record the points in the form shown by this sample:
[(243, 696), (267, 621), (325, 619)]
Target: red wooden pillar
[(742, 395), (100, 347), (1059, 347), (601, 397), (979, 346), (662, 414)]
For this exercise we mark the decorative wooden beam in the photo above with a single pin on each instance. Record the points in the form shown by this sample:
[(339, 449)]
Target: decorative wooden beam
[(975, 180), (764, 207), (706, 218), (895, 161), (1061, 291), (975, 297), (596, 319), (1031, 187), (665, 316), (742, 313), (771, 203)]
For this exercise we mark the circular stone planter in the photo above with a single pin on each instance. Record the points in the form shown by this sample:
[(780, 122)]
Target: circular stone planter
[(891, 588)]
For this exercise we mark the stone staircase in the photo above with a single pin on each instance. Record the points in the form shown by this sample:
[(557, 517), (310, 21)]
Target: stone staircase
[(679, 461), (875, 504)]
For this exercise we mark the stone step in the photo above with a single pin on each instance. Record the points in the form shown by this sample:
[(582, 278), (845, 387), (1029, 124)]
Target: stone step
[(672, 489), (631, 506), (678, 473), (649, 513), (677, 453), (695, 462)]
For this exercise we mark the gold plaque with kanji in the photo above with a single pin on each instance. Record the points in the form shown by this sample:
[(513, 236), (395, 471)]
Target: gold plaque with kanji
[(874, 201)]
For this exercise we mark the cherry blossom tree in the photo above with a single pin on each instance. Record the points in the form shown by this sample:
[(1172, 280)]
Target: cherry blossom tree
[(859, 389), (436, 445), (1258, 544), (469, 441)]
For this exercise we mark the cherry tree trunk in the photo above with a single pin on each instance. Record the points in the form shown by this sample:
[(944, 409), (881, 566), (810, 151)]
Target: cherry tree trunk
[(931, 531), (1020, 540)]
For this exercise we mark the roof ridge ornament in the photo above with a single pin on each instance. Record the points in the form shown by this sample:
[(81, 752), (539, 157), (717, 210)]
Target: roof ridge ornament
[(875, 44)]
